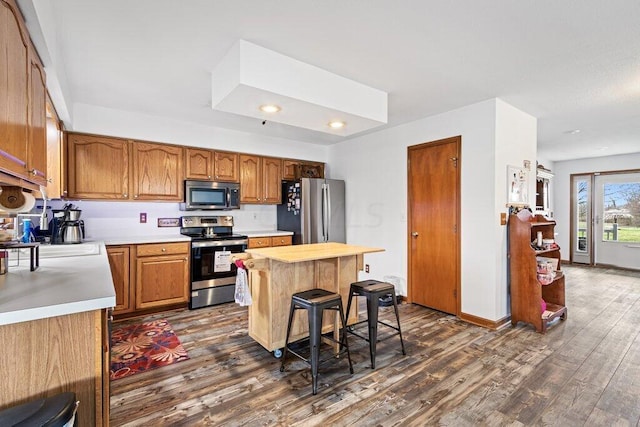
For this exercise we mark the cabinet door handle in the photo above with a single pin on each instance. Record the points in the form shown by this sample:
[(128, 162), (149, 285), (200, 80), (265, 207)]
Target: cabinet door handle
[(135, 196), (414, 234), (186, 259), (124, 195)]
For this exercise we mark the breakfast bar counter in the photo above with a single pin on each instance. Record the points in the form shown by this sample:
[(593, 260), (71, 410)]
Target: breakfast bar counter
[(276, 273)]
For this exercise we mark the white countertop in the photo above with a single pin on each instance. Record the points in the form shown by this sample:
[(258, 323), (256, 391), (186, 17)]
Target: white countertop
[(264, 233), (61, 285), (137, 240)]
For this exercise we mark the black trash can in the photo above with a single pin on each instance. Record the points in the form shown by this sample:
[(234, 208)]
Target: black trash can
[(54, 411)]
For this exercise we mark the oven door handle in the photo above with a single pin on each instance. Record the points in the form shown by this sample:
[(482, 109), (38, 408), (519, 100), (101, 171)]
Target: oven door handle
[(217, 243)]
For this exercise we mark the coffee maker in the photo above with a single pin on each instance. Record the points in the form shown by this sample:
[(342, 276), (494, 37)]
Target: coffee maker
[(66, 226)]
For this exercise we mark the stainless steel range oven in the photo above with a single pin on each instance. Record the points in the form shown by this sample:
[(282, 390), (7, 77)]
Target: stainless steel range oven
[(213, 276)]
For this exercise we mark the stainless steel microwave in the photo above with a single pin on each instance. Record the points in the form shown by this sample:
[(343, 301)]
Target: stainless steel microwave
[(210, 195)]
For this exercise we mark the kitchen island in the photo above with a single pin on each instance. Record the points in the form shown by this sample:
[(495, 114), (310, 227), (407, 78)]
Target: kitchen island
[(276, 273), (53, 328)]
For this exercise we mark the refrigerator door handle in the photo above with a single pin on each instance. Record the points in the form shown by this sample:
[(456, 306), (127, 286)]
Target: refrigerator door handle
[(324, 213), (328, 210)]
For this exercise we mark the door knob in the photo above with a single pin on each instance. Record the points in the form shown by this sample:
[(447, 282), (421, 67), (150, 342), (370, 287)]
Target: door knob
[(414, 234)]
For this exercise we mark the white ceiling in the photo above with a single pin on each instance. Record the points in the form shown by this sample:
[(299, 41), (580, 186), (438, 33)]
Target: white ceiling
[(573, 64)]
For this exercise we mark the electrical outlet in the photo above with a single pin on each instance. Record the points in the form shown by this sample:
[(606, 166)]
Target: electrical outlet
[(503, 218), (143, 217), (366, 268)]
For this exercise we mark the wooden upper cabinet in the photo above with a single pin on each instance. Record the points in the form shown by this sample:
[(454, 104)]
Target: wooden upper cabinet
[(271, 180), (295, 169), (56, 179), (98, 167), (198, 163), (289, 169), (250, 178), (157, 171), (15, 70), (226, 166), (37, 147), (260, 179)]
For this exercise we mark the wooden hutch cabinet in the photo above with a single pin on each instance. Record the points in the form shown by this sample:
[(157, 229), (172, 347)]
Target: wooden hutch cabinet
[(527, 292)]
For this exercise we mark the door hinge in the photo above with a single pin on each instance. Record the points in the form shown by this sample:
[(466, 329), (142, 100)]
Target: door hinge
[(455, 161), (455, 228), (455, 293)]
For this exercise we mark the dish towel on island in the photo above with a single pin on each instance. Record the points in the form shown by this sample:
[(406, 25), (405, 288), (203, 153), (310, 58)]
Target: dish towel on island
[(243, 294)]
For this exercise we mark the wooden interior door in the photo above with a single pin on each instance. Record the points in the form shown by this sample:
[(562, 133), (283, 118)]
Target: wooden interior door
[(434, 218)]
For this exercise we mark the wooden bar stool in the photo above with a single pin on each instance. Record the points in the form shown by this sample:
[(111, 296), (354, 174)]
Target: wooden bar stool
[(373, 290), (315, 301)]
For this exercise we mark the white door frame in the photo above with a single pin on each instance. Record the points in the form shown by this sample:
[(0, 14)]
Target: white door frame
[(581, 234), (607, 249)]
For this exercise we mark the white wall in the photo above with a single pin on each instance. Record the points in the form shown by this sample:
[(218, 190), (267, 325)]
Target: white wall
[(375, 170), (516, 139), (562, 190), (107, 219), (112, 122)]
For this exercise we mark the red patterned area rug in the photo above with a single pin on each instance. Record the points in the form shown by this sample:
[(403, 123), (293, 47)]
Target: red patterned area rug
[(144, 346)]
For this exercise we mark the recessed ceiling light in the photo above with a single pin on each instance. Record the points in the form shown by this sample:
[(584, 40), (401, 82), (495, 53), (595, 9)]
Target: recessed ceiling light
[(269, 108), (337, 124)]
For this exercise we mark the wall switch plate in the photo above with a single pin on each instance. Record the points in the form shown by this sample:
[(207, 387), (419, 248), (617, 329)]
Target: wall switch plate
[(366, 268), (143, 217)]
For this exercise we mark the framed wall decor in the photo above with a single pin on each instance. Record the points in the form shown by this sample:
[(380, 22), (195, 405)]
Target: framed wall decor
[(517, 186)]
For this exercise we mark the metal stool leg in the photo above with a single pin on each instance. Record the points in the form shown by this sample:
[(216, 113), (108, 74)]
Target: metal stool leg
[(292, 309), (352, 294), (372, 320), (315, 333), (395, 308), (344, 335)]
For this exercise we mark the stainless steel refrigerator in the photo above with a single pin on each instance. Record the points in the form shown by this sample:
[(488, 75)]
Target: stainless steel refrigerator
[(314, 209)]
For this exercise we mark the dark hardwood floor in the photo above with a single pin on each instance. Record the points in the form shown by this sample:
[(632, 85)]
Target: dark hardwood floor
[(583, 371)]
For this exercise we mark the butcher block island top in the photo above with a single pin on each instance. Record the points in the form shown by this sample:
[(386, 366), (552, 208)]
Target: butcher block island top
[(276, 273), (310, 252)]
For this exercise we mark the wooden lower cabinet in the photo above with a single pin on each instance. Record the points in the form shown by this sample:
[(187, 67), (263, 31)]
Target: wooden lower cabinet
[(149, 276), (268, 241), (119, 261), (45, 357), (162, 279)]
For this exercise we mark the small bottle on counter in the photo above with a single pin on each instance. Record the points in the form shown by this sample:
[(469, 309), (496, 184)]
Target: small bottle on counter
[(26, 230), (4, 262)]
